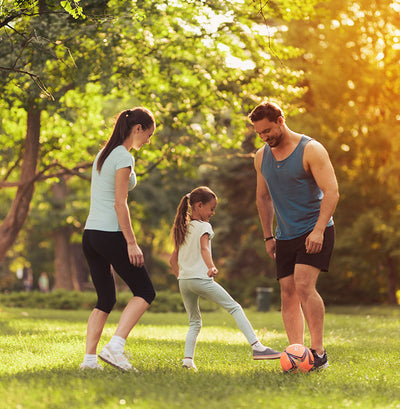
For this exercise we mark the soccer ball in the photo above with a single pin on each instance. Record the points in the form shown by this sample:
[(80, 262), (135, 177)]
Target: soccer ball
[(297, 357)]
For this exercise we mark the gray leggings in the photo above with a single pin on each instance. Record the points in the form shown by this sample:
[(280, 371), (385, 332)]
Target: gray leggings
[(191, 290)]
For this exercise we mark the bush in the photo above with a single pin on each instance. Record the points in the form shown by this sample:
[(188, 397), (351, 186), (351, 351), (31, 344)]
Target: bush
[(166, 301)]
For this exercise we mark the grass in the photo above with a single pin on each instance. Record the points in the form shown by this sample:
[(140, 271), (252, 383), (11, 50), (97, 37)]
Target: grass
[(40, 352)]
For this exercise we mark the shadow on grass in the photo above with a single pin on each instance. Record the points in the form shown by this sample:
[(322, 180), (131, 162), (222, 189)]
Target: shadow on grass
[(227, 377)]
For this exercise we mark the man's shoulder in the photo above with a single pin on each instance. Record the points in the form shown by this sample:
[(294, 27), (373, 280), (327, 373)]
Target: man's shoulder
[(259, 155), (314, 146)]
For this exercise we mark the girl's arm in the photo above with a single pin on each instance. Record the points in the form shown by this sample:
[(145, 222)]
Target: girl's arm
[(121, 207), (206, 254), (173, 261)]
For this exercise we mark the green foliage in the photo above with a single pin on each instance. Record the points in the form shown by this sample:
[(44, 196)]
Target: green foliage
[(42, 350), (351, 106), (166, 301), (72, 7)]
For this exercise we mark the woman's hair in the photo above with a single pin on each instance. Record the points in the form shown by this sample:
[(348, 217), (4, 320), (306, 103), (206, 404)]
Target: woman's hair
[(268, 110), (122, 129), (201, 194)]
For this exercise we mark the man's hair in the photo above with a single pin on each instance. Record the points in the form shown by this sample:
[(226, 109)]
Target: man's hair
[(268, 110)]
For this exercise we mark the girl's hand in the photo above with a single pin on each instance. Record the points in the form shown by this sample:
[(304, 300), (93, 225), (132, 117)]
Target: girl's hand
[(135, 255), (212, 272)]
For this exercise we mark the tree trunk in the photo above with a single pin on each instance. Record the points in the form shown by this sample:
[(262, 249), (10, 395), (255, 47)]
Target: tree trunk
[(62, 259), (63, 270), (80, 268), (13, 222)]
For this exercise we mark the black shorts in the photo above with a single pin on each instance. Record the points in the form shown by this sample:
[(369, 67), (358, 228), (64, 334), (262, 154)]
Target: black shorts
[(292, 252)]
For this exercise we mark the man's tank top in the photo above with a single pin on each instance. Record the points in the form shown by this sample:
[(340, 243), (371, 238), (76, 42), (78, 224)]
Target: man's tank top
[(295, 195)]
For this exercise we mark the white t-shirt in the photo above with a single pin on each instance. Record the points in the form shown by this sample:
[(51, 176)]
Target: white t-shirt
[(190, 261), (102, 214)]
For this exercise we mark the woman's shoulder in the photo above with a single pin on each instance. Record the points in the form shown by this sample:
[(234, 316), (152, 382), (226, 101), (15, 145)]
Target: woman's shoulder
[(120, 150), (121, 154)]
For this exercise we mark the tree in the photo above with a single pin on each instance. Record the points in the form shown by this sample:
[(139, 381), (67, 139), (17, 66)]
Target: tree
[(352, 74), (197, 65)]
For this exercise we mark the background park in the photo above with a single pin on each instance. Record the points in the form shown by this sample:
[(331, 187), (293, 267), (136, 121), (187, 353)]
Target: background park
[(67, 68)]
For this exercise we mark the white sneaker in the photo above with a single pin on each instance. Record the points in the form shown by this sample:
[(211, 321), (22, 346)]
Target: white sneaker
[(189, 364), (115, 359), (89, 367)]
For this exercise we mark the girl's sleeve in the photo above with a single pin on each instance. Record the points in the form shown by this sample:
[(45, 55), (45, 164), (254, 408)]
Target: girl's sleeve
[(207, 228)]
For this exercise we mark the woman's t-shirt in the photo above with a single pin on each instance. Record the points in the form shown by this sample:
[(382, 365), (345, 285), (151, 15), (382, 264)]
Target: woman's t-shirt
[(102, 214), (190, 261)]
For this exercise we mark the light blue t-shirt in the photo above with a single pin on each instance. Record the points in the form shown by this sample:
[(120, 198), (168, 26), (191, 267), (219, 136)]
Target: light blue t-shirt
[(102, 214)]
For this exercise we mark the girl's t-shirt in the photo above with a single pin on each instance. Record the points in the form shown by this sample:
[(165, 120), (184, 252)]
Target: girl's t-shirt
[(102, 214), (190, 261)]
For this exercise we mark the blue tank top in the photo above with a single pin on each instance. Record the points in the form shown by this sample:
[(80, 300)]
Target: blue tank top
[(295, 195)]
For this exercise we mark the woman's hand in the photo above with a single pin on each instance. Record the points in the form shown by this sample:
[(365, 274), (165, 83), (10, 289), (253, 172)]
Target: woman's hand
[(135, 255)]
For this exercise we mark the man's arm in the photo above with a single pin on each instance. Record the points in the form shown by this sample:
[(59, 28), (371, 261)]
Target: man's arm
[(264, 205), (318, 164)]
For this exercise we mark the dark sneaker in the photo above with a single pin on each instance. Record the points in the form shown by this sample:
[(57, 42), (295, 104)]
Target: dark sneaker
[(319, 362), (267, 353)]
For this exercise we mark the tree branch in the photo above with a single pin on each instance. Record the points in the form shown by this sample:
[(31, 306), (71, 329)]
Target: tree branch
[(36, 79)]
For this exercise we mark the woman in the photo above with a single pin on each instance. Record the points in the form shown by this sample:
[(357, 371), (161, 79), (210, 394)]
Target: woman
[(108, 239)]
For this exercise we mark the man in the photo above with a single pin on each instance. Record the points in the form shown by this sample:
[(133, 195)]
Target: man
[(296, 182)]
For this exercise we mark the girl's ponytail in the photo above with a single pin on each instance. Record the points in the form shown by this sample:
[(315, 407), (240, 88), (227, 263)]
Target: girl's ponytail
[(179, 229)]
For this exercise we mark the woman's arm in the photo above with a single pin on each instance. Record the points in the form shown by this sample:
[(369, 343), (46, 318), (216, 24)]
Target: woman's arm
[(121, 207)]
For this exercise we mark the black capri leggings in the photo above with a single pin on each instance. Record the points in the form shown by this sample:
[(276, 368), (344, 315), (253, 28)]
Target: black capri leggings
[(102, 249)]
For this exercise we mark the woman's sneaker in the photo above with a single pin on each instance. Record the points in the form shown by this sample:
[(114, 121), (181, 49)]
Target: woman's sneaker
[(116, 359), (319, 362), (267, 353)]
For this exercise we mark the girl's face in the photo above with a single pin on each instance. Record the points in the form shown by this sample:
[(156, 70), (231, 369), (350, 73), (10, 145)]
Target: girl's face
[(206, 210)]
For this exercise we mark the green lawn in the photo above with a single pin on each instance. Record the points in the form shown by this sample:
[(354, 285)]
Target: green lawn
[(40, 352)]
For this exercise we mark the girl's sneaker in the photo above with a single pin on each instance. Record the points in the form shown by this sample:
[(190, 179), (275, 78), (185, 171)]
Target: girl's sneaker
[(267, 353), (189, 364)]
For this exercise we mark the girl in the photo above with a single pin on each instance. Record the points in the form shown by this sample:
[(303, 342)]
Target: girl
[(109, 239), (192, 263)]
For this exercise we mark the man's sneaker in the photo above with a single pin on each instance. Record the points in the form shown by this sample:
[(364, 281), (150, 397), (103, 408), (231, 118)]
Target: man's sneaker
[(189, 364), (267, 353), (115, 359), (319, 362), (89, 367)]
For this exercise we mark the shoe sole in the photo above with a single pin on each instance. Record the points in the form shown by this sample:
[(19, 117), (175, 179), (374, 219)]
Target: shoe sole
[(189, 367), (318, 368), (265, 357), (107, 360)]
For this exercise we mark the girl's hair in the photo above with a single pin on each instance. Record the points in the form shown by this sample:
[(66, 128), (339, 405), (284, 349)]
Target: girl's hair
[(268, 110), (122, 129), (201, 194)]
